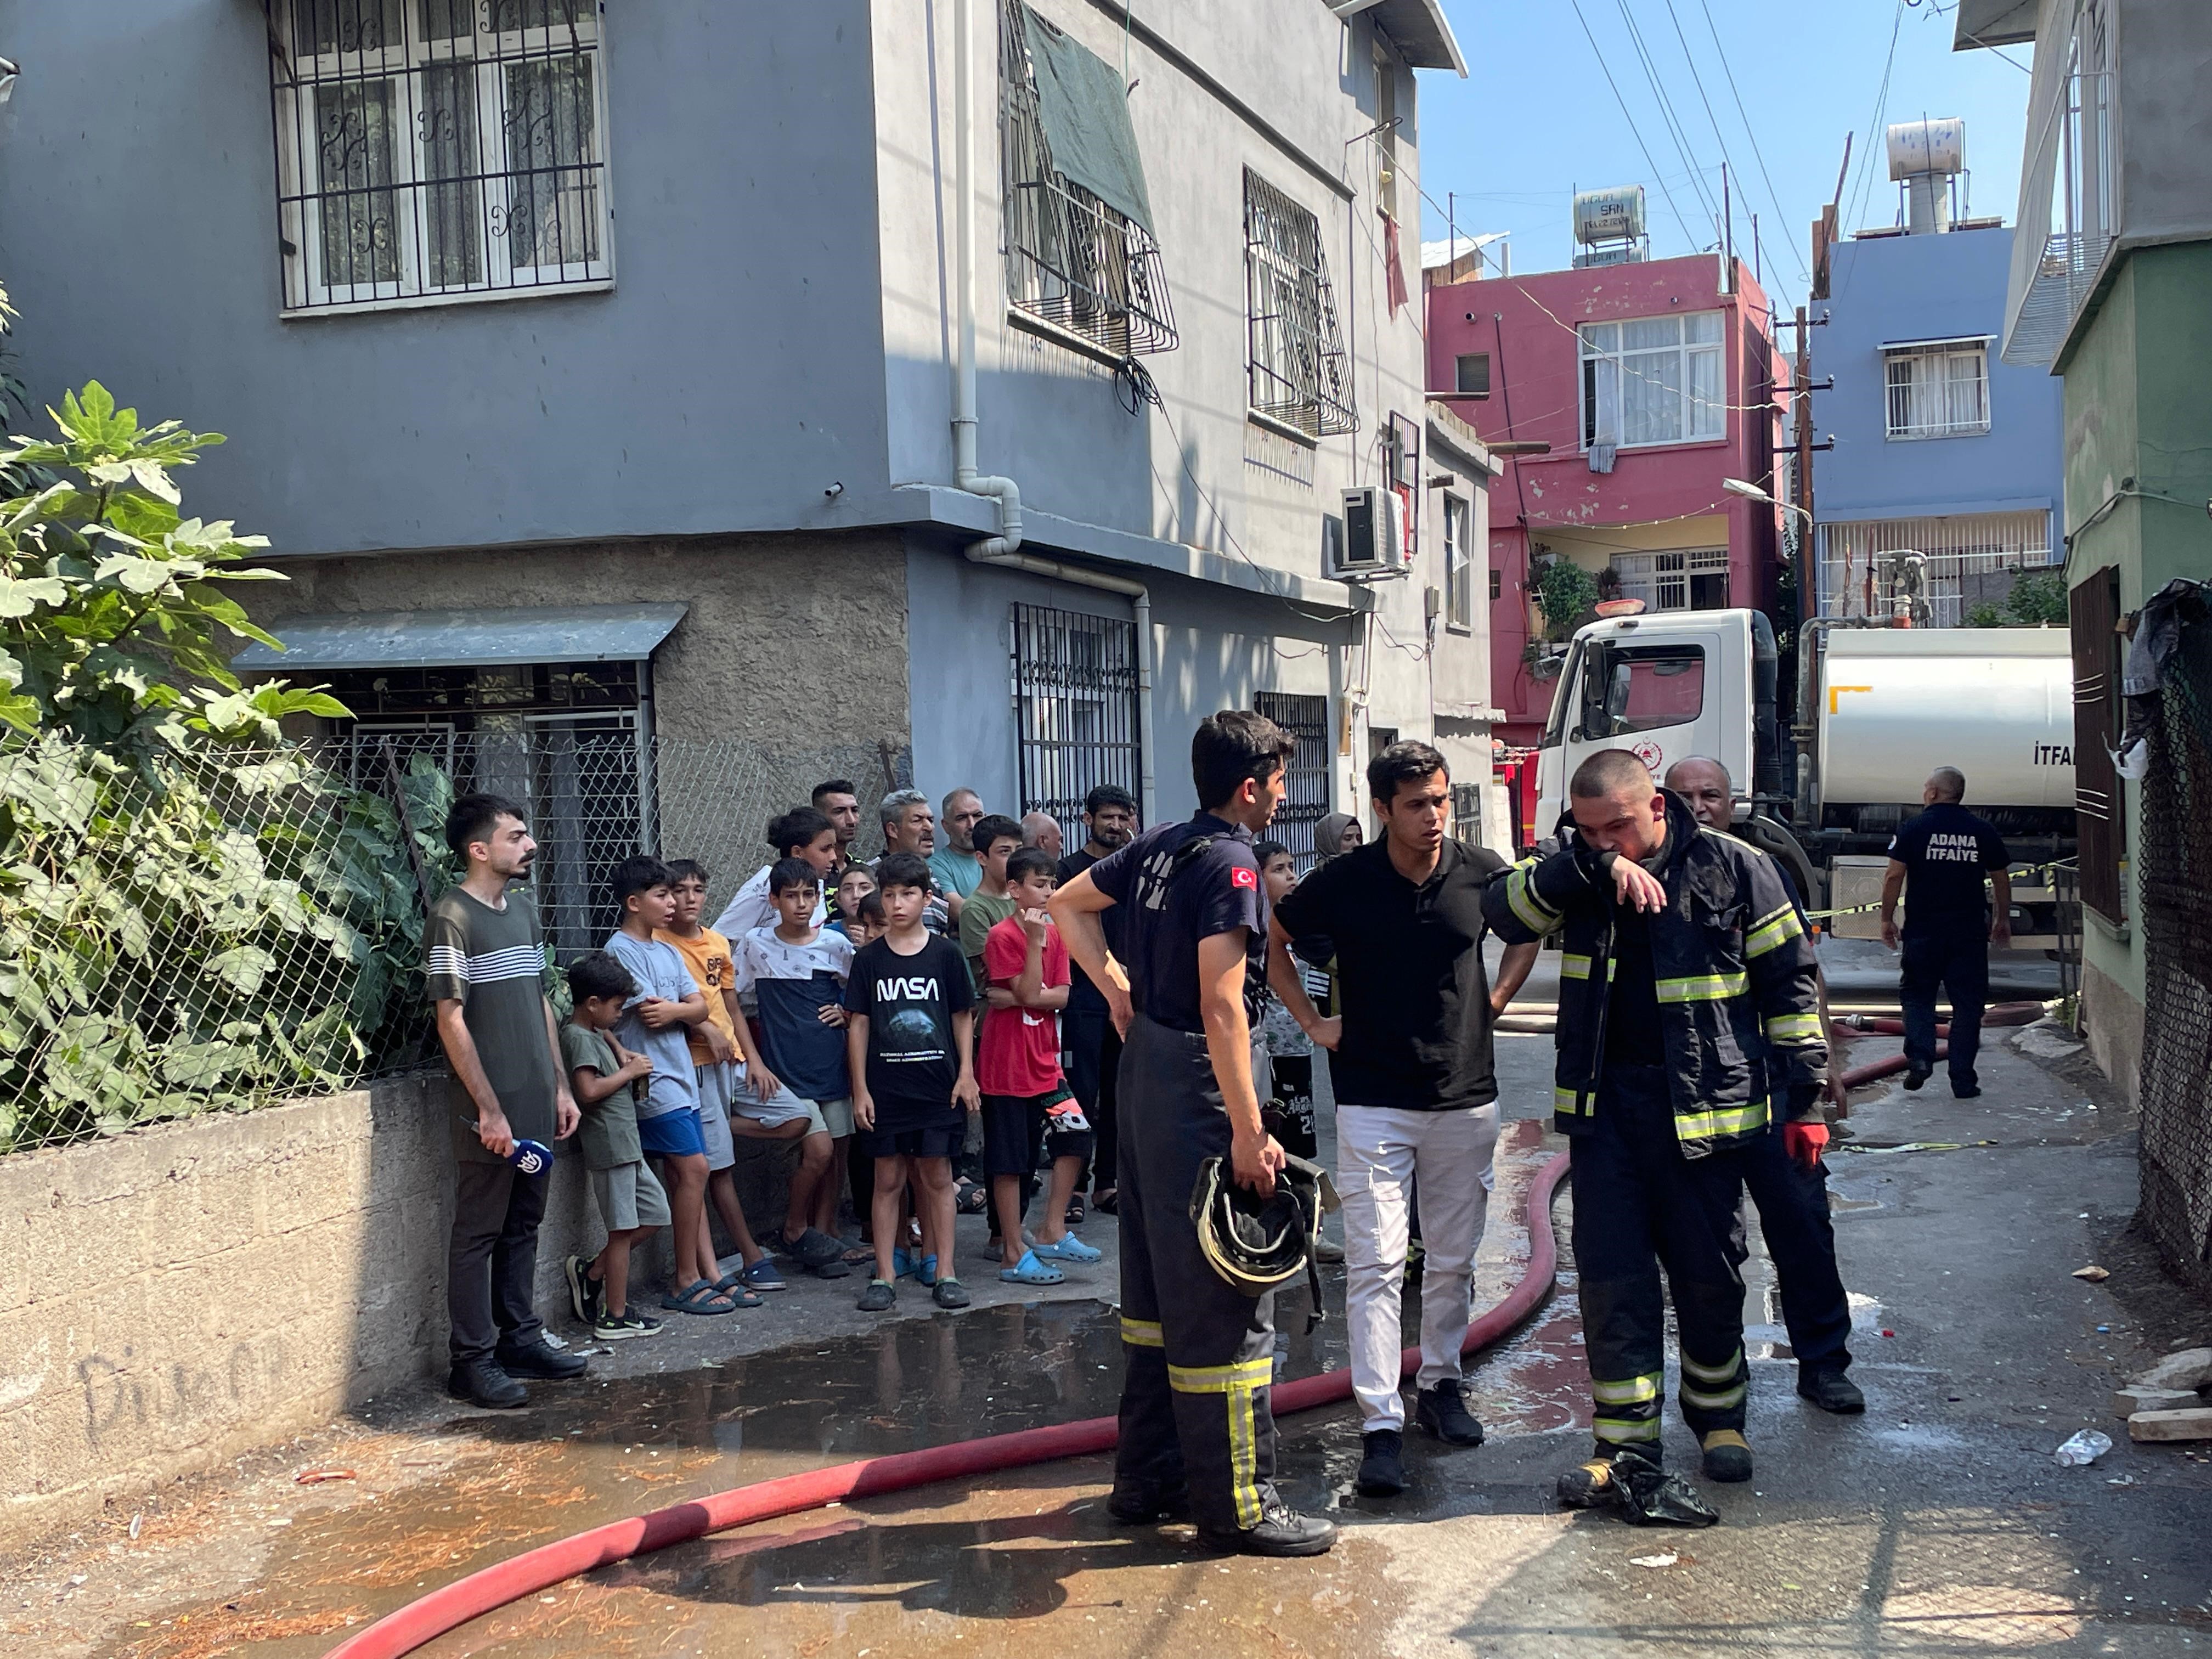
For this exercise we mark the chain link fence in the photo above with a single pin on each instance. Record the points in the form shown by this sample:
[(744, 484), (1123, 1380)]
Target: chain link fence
[(220, 931), (2176, 889)]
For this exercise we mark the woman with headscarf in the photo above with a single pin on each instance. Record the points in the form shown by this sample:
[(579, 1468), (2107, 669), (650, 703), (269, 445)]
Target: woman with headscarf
[(1340, 832)]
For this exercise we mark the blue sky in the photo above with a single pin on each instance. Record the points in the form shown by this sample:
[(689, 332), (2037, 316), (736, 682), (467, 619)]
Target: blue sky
[(1537, 120)]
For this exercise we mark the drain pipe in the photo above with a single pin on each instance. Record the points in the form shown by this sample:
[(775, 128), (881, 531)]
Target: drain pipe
[(1003, 549)]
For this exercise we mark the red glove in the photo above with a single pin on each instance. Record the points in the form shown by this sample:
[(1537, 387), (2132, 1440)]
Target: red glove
[(1805, 1142)]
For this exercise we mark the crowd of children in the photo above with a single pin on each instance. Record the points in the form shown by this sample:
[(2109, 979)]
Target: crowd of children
[(821, 1009)]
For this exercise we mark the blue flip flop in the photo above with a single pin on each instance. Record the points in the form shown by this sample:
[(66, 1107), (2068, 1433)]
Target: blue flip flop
[(1068, 1248), (1030, 1271)]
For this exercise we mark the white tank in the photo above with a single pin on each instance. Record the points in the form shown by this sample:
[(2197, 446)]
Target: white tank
[(1926, 147), (1604, 216), (1996, 703)]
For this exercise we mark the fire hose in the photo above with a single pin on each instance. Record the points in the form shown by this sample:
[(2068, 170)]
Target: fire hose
[(450, 1606)]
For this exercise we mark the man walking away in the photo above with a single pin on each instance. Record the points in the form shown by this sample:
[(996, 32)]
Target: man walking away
[(1790, 1193), (1416, 1089), (1937, 861), (1687, 1011), (1196, 1430), (482, 959), (1094, 1047)]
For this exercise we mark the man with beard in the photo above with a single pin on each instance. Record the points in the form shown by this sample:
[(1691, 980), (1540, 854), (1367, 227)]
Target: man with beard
[(1094, 1047), (482, 959), (838, 801), (910, 827)]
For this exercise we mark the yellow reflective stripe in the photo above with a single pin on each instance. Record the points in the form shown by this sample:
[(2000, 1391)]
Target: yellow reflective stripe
[(1221, 1379), (1703, 987), (1237, 1383), (1566, 1100), (1619, 1429), (1142, 1333), (1773, 935), (1521, 896), (1793, 1028), (1775, 914), (1574, 967), (1724, 1401), (1724, 1372), (1633, 1392), (1731, 1121)]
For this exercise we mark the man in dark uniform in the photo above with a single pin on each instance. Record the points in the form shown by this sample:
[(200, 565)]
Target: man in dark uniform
[(1937, 861), (1094, 1047), (1196, 1430)]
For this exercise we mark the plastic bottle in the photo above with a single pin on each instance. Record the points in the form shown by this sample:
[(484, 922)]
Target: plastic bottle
[(2084, 1448)]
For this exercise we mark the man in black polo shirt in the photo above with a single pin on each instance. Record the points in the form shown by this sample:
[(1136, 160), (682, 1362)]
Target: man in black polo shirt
[(1936, 863), (1094, 1047), (1416, 1097), (1196, 1430)]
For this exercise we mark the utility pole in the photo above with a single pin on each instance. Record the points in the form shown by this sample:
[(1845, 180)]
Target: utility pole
[(1809, 594)]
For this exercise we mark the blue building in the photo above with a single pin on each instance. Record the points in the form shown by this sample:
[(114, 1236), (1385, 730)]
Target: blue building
[(1941, 449)]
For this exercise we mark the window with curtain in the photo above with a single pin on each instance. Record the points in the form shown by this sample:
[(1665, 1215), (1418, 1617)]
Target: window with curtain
[(437, 148), (1654, 380), (1939, 391)]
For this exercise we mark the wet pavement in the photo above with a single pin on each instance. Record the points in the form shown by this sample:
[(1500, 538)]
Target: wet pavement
[(1937, 1524)]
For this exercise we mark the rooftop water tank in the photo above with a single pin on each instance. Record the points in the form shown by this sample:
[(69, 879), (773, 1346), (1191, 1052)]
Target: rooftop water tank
[(1609, 215), (1926, 146)]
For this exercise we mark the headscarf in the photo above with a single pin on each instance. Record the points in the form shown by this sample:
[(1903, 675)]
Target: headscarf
[(1328, 836)]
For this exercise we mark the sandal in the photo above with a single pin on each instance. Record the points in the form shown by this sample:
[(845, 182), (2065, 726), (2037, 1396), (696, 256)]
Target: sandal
[(1074, 1217), (1068, 1248), (1106, 1201), (695, 1298), (733, 1285), (859, 1255), (1030, 1271), (973, 1199)]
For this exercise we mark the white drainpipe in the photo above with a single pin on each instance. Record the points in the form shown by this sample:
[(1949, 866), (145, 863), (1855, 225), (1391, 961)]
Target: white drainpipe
[(1003, 549)]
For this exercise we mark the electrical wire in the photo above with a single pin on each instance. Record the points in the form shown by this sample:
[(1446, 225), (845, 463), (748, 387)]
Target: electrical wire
[(1667, 112), (1874, 127), (1635, 131), (1772, 195), (1698, 82)]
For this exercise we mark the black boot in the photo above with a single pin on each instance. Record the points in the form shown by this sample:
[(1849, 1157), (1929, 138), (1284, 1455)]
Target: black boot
[(482, 1383), (1382, 1470), (538, 1359), (1443, 1413), (1282, 1531), (1140, 1502), (1830, 1389)]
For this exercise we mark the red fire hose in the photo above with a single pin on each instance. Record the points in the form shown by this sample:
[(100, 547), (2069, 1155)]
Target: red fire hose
[(453, 1604), (2005, 1014)]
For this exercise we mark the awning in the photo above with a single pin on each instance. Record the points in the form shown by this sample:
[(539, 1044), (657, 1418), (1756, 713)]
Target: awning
[(1416, 28), (1993, 23), (1085, 111), (1939, 340), (464, 639)]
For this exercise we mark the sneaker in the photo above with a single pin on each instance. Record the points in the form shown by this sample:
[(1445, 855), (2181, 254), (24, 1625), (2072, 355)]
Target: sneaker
[(1382, 1466), (878, 1298), (1914, 1077), (481, 1382), (948, 1294), (1327, 1252), (1141, 1502), (1282, 1532), (585, 1295), (539, 1360), (762, 1275), (1443, 1413), (624, 1326), (1728, 1455), (1829, 1388)]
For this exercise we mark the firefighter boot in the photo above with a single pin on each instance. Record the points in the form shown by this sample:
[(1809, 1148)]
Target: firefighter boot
[(1728, 1455)]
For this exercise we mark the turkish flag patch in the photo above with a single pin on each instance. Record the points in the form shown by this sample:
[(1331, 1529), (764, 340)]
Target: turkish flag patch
[(1240, 876)]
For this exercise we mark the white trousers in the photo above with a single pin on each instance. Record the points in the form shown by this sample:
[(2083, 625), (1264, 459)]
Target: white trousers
[(1382, 1153)]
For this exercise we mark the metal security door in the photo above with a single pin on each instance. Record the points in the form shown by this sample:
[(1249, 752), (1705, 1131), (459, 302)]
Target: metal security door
[(1075, 705)]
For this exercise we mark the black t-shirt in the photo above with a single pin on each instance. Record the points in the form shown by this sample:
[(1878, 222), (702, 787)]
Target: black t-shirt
[(1947, 851), (909, 1001), (1083, 997), (1409, 974), (1162, 920), (1632, 1034)]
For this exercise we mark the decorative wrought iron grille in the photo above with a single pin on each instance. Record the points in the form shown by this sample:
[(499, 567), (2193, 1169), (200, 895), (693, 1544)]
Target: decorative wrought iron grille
[(1071, 259), (1305, 794), (430, 149), (1297, 372), (1075, 702)]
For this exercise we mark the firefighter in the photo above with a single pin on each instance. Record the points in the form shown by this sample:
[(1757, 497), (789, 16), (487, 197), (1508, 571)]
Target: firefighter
[(1688, 1018), (1791, 1195), (1937, 862), (1196, 1432)]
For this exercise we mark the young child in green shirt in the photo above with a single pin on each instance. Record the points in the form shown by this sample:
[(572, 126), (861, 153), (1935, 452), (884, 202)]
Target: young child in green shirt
[(604, 1075)]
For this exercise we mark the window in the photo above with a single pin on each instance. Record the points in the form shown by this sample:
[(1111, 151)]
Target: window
[(1296, 369), (1963, 559), (2099, 799), (1075, 700), (1305, 792), (1474, 373), (1696, 579), (1459, 574), (1078, 258), (1940, 391), (1656, 380), (438, 149), (1496, 584), (1641, 689)]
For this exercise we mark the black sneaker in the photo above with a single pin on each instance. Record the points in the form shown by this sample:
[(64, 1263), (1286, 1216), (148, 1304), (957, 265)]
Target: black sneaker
[(878, 1297), (1914, 1077), (1830, 1389), (1972, 1092), (1141, 1502), (586, 1295), (625, 1326), (1282, 1532), (1443, 1413), (481, 1382), (1382, 1466), (539, 1359), (949, 1293)]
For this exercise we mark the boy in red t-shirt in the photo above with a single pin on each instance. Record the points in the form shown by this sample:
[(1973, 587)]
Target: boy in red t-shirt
[(1028, 1107)]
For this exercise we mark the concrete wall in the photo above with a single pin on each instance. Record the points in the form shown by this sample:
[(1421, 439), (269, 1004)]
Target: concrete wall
[(733, 373), (1923, 288)]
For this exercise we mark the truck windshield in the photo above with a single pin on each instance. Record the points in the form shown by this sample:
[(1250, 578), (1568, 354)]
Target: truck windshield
[(1564, 693), (1643, 688)]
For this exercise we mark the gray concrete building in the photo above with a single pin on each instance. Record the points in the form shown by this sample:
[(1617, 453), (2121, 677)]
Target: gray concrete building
[(955, 390)]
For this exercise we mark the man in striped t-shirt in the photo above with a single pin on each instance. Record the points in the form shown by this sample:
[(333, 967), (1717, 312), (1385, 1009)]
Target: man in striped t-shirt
[(481, 963)]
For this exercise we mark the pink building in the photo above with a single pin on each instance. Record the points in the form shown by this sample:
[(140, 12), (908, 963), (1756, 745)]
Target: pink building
[(1639, 377)]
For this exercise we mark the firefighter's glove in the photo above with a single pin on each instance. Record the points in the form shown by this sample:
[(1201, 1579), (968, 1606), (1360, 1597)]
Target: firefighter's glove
[(1647, 1496), (1805, 1142)]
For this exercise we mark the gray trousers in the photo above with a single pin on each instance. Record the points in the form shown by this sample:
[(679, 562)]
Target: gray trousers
[(1199, 1353), (491, 1263)]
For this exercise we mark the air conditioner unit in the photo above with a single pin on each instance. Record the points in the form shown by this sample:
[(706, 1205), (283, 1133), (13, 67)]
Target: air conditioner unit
[(1373, 546)]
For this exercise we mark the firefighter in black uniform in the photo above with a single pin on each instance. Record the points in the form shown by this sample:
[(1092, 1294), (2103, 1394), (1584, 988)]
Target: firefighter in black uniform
[(1196, 1429), (1689, 1018)]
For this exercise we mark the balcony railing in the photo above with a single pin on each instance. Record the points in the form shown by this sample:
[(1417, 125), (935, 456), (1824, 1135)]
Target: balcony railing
[(2069, 219)]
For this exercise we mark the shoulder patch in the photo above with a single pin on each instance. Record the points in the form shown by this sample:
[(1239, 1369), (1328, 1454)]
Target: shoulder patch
[(1241, 876)]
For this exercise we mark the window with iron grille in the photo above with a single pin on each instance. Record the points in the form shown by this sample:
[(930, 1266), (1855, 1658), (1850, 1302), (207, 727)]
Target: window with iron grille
[(431, 151), (1297, 372), (1692, 580), (1938, 392), (1071, 260), (1075, 706), (1305, 794)]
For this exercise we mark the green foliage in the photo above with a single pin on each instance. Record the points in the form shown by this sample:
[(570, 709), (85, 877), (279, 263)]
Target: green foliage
[(2038, 599), (1985, 615), (1564, 592)]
